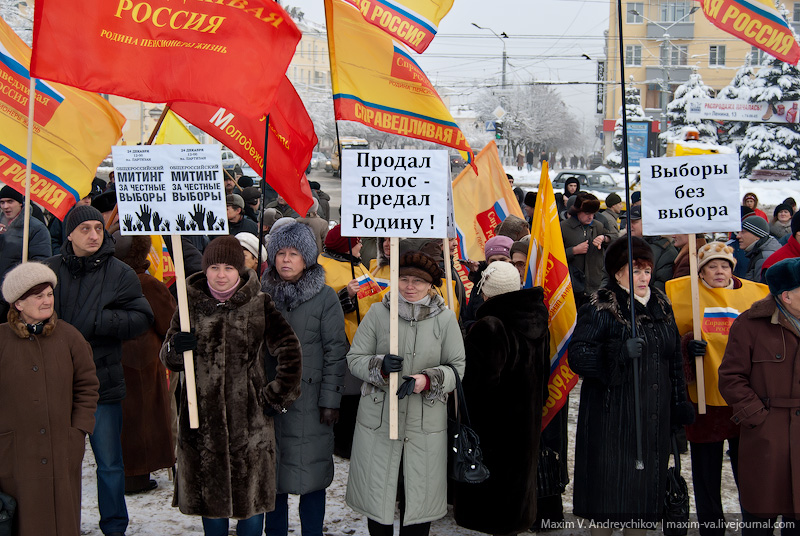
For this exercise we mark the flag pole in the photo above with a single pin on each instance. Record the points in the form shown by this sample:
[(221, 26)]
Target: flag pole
[(263, 194), (637, 405), (699, 374), (26, 222), (394, 347), (158, 125)]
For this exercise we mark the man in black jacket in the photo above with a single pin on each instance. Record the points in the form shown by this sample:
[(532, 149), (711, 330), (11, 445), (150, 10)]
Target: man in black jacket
[(101, 296)]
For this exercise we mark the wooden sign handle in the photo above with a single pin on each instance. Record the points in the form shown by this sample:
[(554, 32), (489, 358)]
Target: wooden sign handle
[(394, 276), (183, 314), (698, 335), (448, 275)]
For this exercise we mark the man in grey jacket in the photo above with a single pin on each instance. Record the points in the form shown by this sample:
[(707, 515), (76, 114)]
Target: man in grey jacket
[(584, 239), (758, 244)]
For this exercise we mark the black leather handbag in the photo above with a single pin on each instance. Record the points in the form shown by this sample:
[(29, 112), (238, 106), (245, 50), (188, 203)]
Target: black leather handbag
[(549, 481), (676, 500), (464, 456)]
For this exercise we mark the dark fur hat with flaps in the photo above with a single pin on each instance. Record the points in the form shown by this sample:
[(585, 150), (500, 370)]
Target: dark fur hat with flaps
[(418, 264), (293, 235), (617, 254), (585, 202)]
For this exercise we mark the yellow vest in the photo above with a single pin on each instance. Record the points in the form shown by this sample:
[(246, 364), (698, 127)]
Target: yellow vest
[(381, 276), (337, 275), (719, 307)]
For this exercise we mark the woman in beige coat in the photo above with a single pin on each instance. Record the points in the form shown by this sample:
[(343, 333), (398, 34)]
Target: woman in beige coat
[(48, 392)]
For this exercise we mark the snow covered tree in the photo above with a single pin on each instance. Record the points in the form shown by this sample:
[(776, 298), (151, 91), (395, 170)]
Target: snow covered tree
[(633, 112), (740, 88), (692, 89), (772, 145), (19, 15)]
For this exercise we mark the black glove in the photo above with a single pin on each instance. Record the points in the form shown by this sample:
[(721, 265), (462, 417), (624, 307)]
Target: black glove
[(633, 348), (407, 387), (184, 341), (328, 416), (697, 348), (681, 414), (391, 363)]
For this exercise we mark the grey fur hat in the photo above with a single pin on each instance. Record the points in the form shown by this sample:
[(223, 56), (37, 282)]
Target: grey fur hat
[(293, 235)]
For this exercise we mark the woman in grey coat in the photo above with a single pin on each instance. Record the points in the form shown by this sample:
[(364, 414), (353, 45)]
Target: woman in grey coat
[(304, 434), (414, 466)]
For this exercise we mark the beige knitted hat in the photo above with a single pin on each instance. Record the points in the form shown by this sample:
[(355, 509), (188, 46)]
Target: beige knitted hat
[(499, 278), (715, 250), (24, 277)]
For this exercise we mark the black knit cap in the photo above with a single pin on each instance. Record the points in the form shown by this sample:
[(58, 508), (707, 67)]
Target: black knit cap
[(617, 254), (421, 265), (80, 214), (224, 250), (7, 192)]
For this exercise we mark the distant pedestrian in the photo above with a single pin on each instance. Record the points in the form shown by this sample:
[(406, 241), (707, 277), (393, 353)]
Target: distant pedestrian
[(520, 161), (529, 159)]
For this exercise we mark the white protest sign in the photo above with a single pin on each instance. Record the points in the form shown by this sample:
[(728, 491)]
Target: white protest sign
[(170, 189), (395, 193), (452, 232), (690, 194)]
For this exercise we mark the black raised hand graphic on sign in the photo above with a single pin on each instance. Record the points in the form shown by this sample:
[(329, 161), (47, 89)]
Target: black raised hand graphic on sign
[(139, 226), (157, 221), (220, 224), (210, 219), (128, 222), (193, 225), (144, 215), (166, 225), (199, 216), (180, 224)]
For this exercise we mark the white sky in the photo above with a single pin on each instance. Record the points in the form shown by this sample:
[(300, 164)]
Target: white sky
[(546, 41)]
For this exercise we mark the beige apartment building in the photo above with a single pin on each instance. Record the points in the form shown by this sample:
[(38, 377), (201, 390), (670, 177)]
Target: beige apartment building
[(664, 41)]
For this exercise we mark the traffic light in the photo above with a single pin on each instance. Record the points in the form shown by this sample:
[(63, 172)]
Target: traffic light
[(498, 130)]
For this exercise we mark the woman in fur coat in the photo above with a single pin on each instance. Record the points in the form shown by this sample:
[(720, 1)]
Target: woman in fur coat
[(226, 467), (304, 434), (48, 392), (608, 486)]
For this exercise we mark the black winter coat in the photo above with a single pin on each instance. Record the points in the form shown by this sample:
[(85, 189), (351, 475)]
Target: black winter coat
[(507, 372), (607, 484), (101, 296)]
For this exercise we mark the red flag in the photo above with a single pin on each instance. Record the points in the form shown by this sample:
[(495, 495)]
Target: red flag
[(291, 141), (219, 53)]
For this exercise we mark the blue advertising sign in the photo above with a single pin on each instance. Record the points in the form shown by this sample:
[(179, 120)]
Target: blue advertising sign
[(638, 131)]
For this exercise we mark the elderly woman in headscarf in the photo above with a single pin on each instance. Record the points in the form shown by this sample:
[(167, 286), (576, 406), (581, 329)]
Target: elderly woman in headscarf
[(48, 392), (415, 468), (603, 350), (304, 434)]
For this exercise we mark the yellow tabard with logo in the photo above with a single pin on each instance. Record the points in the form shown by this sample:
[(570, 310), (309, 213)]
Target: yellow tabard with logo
[(719, 307)]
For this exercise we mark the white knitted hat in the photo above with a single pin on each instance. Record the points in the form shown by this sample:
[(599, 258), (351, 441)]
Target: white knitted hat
[(24, 277), (499, 278), (249, 242)]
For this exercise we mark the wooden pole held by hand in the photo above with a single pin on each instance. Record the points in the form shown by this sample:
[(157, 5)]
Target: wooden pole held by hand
[(698, 335), (183, 314), (394, 276)]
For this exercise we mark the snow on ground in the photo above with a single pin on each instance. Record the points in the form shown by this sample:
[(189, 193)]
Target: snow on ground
[(151, 513)]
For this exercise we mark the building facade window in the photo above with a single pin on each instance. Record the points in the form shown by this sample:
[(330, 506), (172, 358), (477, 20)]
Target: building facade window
[(796, 12), (675, 55), (674, 11), (633, 55), (638, 7), (716, 55), (757, 56)]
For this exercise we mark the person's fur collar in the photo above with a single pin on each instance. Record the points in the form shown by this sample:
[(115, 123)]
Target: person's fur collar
[(288, 295), (616, 300), (20, 329), (201, 298), (764, 308)]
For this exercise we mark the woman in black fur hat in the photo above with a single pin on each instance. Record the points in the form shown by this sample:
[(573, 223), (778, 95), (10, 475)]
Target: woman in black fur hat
[(608, 485), (304, 434)]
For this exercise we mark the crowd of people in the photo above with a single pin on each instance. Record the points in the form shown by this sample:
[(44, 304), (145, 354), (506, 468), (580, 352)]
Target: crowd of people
[(290, 345)]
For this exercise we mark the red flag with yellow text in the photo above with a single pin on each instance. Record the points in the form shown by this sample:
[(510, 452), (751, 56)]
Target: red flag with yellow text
[(291, 141), (226, 53), (412, 22), (377, 83)]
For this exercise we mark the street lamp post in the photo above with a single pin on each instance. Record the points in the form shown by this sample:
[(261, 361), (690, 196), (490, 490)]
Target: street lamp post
[(666, 51), (502, 39)]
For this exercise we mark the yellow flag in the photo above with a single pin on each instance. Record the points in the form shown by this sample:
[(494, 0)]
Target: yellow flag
[(376, 82), (174, 132), (481, 201), (547, 268), (73, 131)]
